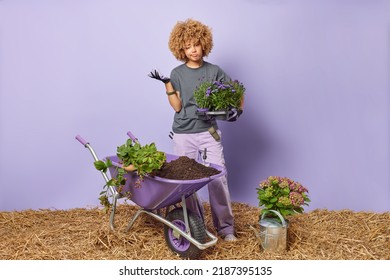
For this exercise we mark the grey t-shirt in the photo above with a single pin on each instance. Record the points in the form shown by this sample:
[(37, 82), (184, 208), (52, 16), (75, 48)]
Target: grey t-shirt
[(185, 80)]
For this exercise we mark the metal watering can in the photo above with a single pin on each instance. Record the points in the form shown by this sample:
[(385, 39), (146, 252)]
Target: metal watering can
[(273, 232)]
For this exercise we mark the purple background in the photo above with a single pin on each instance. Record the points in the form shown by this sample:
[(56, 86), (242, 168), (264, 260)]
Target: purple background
[(317, 106)]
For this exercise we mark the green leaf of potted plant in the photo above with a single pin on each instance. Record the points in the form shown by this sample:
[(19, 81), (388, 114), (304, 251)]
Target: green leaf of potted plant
[(143, 159)]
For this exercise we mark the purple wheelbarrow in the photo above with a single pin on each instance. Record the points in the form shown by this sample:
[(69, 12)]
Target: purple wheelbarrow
[(185, 233)]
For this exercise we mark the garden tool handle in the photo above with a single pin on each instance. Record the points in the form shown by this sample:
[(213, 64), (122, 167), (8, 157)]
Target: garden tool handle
[(277, 213), (81, 140), (214, 133)]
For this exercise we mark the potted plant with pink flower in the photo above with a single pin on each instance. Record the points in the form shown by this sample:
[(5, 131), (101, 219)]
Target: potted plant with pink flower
[(279, 198), (283, 195)]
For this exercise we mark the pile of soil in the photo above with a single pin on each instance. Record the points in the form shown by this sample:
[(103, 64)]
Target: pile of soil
[(185, 168)]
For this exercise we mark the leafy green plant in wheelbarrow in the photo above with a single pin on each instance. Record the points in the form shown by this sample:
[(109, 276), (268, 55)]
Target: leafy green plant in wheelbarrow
[(143, 159)]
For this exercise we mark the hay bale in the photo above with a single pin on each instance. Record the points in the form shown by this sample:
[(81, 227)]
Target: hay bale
[(84, 234)]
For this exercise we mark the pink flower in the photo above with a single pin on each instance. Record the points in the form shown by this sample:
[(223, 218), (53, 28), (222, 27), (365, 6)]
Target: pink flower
[(296, 198)]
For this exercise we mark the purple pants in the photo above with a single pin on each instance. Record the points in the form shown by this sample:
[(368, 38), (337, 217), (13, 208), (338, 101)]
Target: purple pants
[(219, 197)]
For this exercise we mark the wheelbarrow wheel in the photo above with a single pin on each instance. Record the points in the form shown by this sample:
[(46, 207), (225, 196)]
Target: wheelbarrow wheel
[(180, 244)]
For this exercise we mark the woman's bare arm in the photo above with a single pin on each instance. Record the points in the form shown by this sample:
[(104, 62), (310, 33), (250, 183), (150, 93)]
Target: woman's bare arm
[(173, 95)]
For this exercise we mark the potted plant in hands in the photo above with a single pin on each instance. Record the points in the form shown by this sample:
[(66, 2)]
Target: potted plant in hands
[(218, 99), (280, 198)]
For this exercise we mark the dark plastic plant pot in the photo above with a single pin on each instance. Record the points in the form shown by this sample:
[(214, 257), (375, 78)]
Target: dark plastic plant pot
[(223, 115)]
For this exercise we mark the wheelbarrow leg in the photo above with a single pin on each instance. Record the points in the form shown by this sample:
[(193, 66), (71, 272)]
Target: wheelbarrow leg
[(183, 201), (139, 212), (112, 215)]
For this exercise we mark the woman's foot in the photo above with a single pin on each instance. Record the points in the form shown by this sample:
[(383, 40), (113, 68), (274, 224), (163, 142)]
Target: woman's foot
[(230, 237)]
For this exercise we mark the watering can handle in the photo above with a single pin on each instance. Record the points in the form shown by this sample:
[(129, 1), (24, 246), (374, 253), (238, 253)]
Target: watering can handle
[(277, 213)]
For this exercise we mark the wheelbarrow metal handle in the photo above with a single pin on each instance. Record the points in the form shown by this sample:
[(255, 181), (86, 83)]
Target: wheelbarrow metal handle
[(132, 137), (81, 140)]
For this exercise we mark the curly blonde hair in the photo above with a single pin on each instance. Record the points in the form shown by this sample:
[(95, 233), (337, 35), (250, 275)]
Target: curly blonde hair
[(190, 31)]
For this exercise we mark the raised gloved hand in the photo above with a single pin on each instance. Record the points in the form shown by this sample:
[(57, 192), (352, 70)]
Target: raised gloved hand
[(155, 75)]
